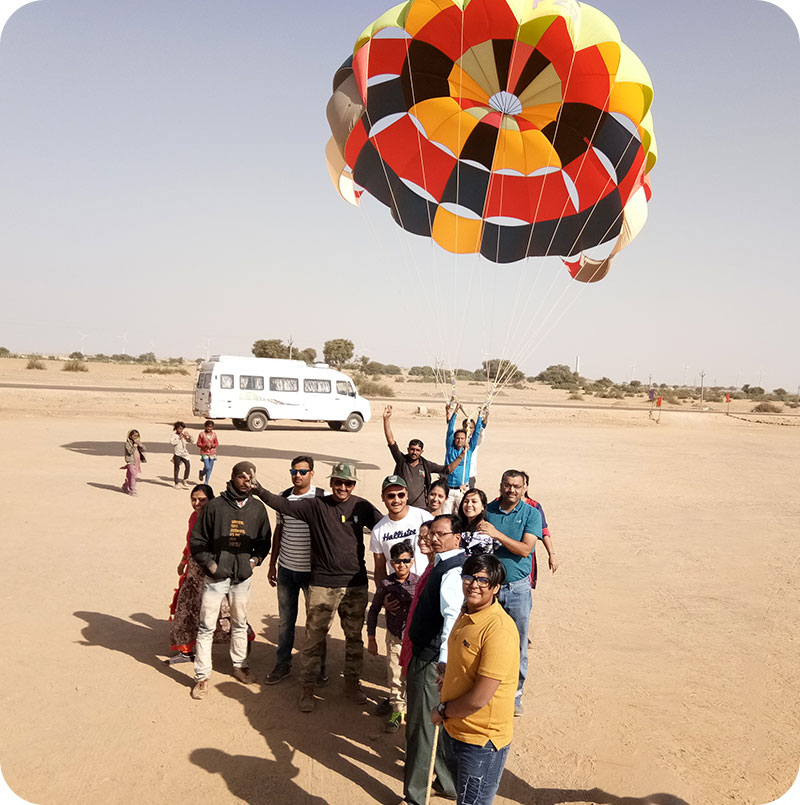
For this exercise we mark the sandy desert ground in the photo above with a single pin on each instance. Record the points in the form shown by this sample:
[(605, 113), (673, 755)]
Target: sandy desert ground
[(664, 667)]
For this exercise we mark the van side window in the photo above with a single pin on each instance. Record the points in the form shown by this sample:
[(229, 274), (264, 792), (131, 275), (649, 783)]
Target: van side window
[(317, 386), (251, 382), (284, 384), (203, 380), (206, 380), (343, 387), (226, 381)]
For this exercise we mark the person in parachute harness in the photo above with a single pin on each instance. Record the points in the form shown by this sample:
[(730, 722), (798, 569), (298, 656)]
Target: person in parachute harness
[(456, 442)]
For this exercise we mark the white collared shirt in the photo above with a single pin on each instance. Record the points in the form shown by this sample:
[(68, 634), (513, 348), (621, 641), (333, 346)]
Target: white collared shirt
[(451, 597)]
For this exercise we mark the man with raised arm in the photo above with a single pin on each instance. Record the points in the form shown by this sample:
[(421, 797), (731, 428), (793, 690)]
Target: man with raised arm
[(338, 581), (415, 470)]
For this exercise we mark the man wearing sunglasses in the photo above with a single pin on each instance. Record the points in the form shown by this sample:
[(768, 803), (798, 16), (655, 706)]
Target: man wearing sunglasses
[(436, 611), (400, 523), (290, 568), (479, 686), (338, 580)]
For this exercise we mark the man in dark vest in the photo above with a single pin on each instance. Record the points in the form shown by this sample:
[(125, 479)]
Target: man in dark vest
[(415, 470), (437, 608)]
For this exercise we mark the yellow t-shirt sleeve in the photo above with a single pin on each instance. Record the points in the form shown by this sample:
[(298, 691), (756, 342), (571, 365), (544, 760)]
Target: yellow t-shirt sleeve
[(499, 653)]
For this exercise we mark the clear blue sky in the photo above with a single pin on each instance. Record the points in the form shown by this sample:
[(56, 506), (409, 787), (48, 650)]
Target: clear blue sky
[(163, 178)]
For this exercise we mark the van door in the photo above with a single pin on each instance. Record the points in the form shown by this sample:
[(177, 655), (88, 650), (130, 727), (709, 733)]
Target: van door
[(343, 400), (284, 398), (318, 395)]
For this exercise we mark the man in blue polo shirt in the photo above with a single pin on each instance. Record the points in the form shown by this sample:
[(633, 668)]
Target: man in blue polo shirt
[(515, 526)]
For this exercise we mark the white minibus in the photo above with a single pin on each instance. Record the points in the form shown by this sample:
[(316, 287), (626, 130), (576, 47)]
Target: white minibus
[(252, 391)]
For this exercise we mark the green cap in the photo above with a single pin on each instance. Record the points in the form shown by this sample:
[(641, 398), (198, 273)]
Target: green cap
[(345, 471), (393, 480)]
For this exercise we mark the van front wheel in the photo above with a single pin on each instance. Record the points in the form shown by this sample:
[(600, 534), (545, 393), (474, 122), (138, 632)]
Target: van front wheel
[(335, 425), (353, 423), (256, 420)]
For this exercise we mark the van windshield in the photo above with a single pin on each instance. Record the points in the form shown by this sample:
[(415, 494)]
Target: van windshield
[(343, 387)]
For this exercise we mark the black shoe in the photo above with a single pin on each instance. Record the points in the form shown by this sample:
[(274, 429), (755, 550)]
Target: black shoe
[(280, 671), (322, 680), (383, 708)]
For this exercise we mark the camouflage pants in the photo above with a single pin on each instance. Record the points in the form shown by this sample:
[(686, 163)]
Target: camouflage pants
[(323, 603)]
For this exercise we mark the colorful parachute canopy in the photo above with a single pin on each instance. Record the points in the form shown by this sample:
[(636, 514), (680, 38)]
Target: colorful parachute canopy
[(513, 128)]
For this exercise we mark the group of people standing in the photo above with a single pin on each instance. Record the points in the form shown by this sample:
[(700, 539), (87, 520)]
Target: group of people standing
[(453, 574)]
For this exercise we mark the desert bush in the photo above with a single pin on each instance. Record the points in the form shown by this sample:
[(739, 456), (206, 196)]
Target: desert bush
[(421, 371), (35, 362), (575, 395), (767, 408), (399, 379), (372, 388), (74, 365), (5, 352), (557, 373), (164, 370)]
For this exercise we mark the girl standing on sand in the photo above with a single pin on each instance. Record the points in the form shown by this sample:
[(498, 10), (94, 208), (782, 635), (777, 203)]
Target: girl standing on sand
[(207, 444), (134, 456), (184, 612), (179, 439)]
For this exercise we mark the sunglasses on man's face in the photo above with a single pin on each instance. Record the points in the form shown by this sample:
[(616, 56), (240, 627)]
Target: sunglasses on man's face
[(402, 561), (341, 482), (299, 472), (396, 495)]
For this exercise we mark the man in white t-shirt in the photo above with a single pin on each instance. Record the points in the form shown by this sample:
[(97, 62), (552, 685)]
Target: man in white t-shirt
[(401, 523), (290, 568)]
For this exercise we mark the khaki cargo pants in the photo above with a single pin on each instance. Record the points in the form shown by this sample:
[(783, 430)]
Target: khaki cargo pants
[(323, 603)]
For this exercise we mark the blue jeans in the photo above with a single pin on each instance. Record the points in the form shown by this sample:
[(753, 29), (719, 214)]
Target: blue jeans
[(478, 769), (290, 582), (208, 466), (516, 600)]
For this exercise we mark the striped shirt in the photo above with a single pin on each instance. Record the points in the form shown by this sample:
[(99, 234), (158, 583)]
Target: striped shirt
[(295, 550)]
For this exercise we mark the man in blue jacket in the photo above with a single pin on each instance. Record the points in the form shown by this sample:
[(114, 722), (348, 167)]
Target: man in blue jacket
[(455, 444)]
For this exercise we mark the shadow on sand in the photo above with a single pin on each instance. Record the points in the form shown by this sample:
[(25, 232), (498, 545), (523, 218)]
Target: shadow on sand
[(342, 737), (238, 452)]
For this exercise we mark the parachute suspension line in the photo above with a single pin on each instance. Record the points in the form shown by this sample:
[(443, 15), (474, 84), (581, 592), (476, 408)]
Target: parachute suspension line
[(504, 370), (541, 330), (440, 326)]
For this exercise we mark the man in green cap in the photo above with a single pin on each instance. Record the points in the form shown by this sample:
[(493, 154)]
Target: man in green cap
[(338, 580)]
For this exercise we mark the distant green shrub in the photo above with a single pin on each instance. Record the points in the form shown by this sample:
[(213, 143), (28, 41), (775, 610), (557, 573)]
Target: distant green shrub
[(372, 388), (74, 366), (164, 370), (575, 395), (767, 408), (35, 362)]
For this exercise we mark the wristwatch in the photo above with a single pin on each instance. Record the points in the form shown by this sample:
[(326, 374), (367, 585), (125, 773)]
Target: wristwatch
[(440, 709)]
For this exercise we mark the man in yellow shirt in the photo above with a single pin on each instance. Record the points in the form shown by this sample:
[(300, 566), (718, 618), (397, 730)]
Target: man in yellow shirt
[(480, 682)]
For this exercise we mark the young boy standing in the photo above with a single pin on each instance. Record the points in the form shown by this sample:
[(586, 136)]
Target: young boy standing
[(400, 586)]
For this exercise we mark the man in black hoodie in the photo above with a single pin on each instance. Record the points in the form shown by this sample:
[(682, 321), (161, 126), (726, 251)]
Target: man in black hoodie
[(229, 539)]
